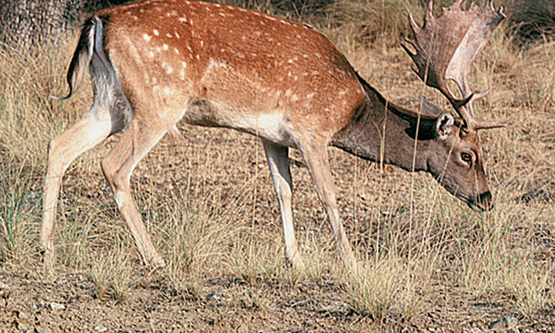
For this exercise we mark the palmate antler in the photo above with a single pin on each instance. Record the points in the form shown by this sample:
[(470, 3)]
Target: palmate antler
[(445, 49)]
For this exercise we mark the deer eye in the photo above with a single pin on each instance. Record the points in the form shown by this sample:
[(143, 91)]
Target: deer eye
[(466, 157)]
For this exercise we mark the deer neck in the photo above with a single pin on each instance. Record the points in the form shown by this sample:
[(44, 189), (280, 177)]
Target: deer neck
[(381, 132)]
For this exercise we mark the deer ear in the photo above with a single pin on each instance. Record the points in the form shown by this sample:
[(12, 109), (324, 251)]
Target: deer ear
[(428, 107), (444, 125)]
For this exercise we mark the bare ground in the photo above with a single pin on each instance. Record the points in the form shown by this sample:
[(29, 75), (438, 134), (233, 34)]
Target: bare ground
[(69, 304)]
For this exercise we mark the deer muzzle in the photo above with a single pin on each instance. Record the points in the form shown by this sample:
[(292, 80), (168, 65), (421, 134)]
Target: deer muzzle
[(482, 203)]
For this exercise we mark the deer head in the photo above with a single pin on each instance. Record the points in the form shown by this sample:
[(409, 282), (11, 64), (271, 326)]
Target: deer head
[(445, 48)]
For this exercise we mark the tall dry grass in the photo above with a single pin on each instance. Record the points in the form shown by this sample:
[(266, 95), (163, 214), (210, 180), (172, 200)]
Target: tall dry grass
[(212, 211)]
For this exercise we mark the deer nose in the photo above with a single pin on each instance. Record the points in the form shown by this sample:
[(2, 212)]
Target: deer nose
[(485, 201)]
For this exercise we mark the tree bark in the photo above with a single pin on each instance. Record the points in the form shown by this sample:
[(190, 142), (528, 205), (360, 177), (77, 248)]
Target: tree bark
[(26, 23)]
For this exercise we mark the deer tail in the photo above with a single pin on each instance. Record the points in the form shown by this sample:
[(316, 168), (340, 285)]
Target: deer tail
[(90, 41)]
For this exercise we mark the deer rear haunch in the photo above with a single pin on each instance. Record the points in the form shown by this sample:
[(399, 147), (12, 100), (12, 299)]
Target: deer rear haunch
[(154, 63)]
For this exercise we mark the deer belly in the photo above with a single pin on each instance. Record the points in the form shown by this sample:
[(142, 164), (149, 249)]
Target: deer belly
[(274, 127)]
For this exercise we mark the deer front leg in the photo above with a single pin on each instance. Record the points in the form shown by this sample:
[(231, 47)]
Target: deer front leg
[(278, 161), (117, 166), (62, 150), (316, 159)]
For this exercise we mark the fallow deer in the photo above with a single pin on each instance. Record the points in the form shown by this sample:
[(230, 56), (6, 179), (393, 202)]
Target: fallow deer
[(154, 63)]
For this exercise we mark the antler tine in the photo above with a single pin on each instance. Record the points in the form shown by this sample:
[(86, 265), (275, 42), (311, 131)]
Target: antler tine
[(429, 13), (488, 124), (445, 50), (473, 97), (415, 28), (458, 4)]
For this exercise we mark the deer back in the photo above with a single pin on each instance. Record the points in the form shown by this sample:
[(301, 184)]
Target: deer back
[(227, 66)]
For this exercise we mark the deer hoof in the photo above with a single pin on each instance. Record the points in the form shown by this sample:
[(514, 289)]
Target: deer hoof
[(48, 256), (296, 261)]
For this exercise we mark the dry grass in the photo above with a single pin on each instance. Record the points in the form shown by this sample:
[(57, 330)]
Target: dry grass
[(111, 273), (210, 206)]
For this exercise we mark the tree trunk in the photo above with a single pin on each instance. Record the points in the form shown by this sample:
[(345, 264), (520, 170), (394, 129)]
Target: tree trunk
[(24, 23)]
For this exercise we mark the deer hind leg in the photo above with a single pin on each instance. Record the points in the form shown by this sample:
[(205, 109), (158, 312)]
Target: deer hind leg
[(109, 114), (118, 165), (278, 161), (316, 159), (95, 126)]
